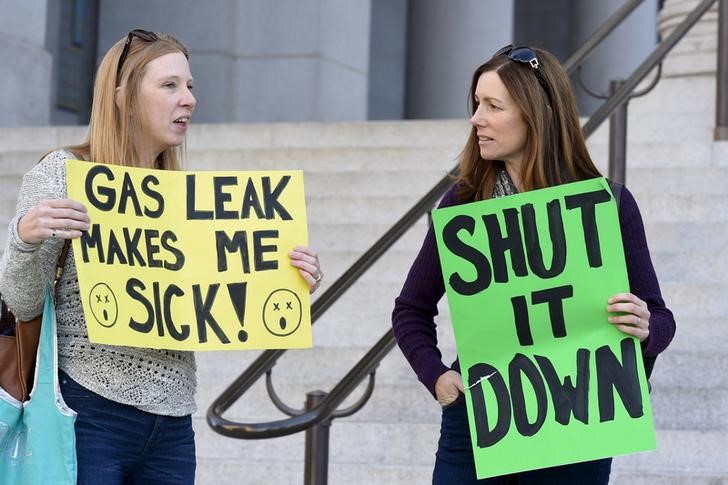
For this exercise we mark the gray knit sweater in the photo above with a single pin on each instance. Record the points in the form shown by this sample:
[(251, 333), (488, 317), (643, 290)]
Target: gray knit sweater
[(156, 381)]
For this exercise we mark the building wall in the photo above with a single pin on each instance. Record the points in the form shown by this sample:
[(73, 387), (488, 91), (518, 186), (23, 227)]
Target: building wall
[(446, 41), (387, 60), (255, 60), (71, 35), (25, 64), (311, 60)]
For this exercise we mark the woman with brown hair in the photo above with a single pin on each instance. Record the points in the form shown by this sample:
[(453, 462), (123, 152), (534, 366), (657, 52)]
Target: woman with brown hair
[(133, 405), (525, 135)]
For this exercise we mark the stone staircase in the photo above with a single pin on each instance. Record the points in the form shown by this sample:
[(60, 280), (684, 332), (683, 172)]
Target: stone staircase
[(360, 178)]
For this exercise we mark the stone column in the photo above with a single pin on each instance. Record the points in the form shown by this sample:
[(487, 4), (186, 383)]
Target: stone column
[(387, 59), (447, 40), (301, 61), (25, 65), (620, 53)]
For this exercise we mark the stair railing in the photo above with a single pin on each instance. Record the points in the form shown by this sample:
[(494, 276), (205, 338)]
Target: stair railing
[(322, 407), (721, 109)]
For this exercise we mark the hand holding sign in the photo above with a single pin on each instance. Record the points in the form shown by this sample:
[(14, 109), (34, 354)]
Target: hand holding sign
[(636, 318), (307, 262), (526, 277), (61, 218), (188, 260)]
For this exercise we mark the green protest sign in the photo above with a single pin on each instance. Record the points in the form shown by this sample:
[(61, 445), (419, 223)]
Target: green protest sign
[(548, 380)]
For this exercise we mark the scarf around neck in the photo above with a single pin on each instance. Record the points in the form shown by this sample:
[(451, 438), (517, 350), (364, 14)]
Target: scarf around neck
[(504, 185)]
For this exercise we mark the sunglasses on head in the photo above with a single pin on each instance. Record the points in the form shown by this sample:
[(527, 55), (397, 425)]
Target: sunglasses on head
[(144, 35), (525, 55)]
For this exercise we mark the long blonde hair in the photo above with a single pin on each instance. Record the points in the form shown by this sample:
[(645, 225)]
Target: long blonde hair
[(112, 129), (555, 150)]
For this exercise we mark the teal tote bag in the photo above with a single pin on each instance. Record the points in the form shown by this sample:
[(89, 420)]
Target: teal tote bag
[(37, 437)]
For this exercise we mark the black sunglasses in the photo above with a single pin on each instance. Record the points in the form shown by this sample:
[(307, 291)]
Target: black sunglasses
[(526, 55), (144, 35)]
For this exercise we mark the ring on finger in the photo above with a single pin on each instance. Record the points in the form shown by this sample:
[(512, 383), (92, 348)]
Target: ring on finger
[(53, 234), (318, 277)]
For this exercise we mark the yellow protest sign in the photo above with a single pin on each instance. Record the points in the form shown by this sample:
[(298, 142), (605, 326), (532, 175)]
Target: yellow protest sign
[(191, 260)]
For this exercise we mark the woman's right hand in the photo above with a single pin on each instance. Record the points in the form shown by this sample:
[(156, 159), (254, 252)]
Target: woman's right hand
[(447, 387), (59, 218)]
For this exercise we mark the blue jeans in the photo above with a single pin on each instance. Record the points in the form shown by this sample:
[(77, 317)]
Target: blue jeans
[(118, 444), (454, 464)]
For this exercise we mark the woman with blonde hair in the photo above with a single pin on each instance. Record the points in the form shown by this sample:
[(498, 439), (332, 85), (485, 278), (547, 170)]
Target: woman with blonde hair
[(525, 135), (134, 405)]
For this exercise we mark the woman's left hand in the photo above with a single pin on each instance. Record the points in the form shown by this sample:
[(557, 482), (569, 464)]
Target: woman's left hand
[(636, 318), (307, 262)]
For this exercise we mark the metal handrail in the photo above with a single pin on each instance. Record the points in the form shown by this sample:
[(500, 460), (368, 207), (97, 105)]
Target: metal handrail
[(364, 367), (265, 362), (367, 365), (721, 101)]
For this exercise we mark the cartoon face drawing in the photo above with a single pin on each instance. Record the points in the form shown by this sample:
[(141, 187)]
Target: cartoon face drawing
[(103, 304), (282, 312)]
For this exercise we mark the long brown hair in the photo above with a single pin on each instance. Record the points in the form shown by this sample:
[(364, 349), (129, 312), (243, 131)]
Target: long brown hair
[(555, 150), (112, 129)]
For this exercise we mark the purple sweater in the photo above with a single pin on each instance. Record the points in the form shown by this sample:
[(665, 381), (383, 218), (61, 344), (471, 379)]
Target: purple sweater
[(415, 309)]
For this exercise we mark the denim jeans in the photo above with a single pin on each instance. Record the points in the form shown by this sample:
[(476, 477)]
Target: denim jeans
[(454, 464), (118, 444)]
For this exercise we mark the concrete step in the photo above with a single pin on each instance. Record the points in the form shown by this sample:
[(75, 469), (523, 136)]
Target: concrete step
[(333, 168), (686, 236), (244, 136), (385, 170), (330, 160), (653, 128), (371, 134), (675, 390), (675, 368), (619, 477), (217, 472), (644, 182), (689, 154), (410, 444), (682, 365), (360, 178), (409, 402), (357, 238), (342, 185), (689, 408), (681, 457), (665, 237), (40, 140), (700, 334), (671, 266), (676, 450), (697, 300), (690, 267), (696, 207), (389, 207), (689, 455)]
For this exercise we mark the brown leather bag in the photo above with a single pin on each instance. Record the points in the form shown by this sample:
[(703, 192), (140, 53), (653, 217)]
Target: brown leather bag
[(18, 350)]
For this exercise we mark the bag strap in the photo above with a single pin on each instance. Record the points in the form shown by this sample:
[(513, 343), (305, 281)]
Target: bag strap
[(7, 320), (61, 263)]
